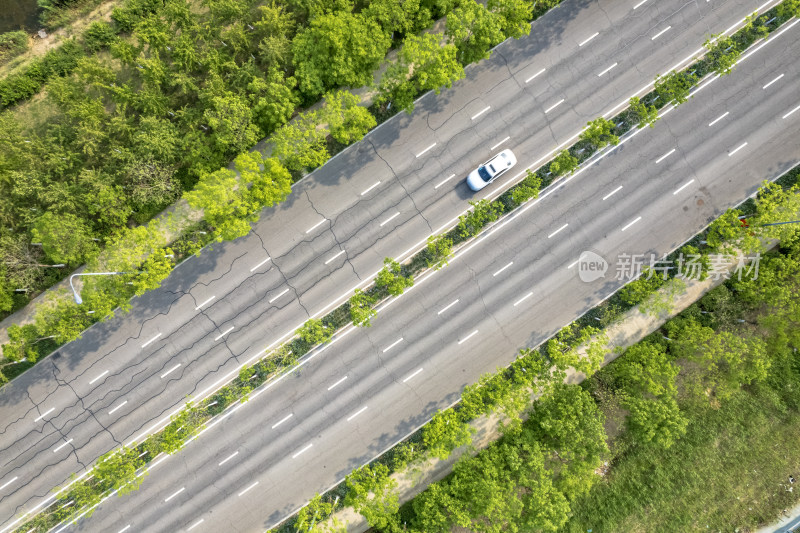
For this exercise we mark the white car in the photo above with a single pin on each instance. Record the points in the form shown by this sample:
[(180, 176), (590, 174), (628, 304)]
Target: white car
[(491, 170)]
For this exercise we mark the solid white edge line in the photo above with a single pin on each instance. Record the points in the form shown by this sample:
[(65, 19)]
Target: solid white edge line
[(468, 336), (111, 412), (49, 411), (303, 450), (195, 524), (62, 445), (559, 229), (725, 114), (546, 111), (9, 482), (535, 75), (737, 148), (663, 157), (523, 299), (589, 39), (773, 81), (498, 144), (679, 189), (175, 494), (260, 264), (144, 345), (337, 383), (609, 195), (659, 34), (395, 343), (481, 112), (448, 307), (282, 420), (407, 378), (248, 488), (315, 226), (790, 112), (631, 223), (204, 303), (357, 413), (505, 267), (370, 188), (388, 219), (334, 257), (606, 70), (170, 370), (278, 296), (231, 456), (425, 150)]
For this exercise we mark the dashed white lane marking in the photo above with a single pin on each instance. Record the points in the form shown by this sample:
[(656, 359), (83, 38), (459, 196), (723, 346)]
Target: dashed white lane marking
[(282, 420), (535, 75), (278, 295), (126, 528), (773, 81), (659, 34), (578, 260), (231, 456), (631, 223), (395, 343), (640, 4), (111, 412), (663, 157), (98, 377), (448, 306), (408, 377), (725, 114), (315, 226), (612, 193), (356, 413), (505, 267), (465, 339), (425, 150), (498, 144), (370, 188), (556, 231), (168, 498), (523, 299), (389, 219), (606, 70), (337, 383), (303, 450), (148, 342), (679, 189), (546, 111), (481, 112), (218, 337), (170, 370), (737, 149), (62, 445), (9, 482), (195, 524), (790, 112), (260, 264), (334, 257), (589, 39), (204, 303), (448, 178), (248, 488), (48, 411)]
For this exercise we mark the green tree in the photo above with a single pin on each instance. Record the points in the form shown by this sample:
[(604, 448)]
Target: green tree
[(65, 238), (444, 433), (154, 270), (371, 493), (116, 470), (361, 310), (340, 49), (646, 115), (223, 205), (474, 30), (264, 182), (300, 144), (675, 87), (230, 117), (347, 120), (400, 16), (600, 133), (392, 279), (438, 251), (515, 16), (723, 53), (788, 9), (583, 349), (526, 189), (483, 212), (641, 288), (274, 100), (564, 163), (314, 332)]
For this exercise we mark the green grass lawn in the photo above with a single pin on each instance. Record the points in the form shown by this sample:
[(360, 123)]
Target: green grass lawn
[(729, 473)]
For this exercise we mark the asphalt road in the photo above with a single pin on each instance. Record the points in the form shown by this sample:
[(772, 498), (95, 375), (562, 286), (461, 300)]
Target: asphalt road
[(511, 287), (381, 197)]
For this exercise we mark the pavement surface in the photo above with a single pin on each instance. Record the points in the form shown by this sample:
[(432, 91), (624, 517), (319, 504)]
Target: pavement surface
[(379, 198), (511, 287)]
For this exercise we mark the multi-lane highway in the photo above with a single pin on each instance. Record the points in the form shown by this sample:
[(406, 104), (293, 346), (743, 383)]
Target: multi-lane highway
[(513, 286), (379, 198)]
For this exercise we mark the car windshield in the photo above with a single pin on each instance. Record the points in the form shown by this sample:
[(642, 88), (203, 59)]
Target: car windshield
[(484, 174)]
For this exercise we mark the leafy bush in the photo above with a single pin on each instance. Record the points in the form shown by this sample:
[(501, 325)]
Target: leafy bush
[(99, 35), (482, 213), (12, 44), (361, 310), (438, 251), (564, 163), (600, 133), (314, 332), (392, 279)]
